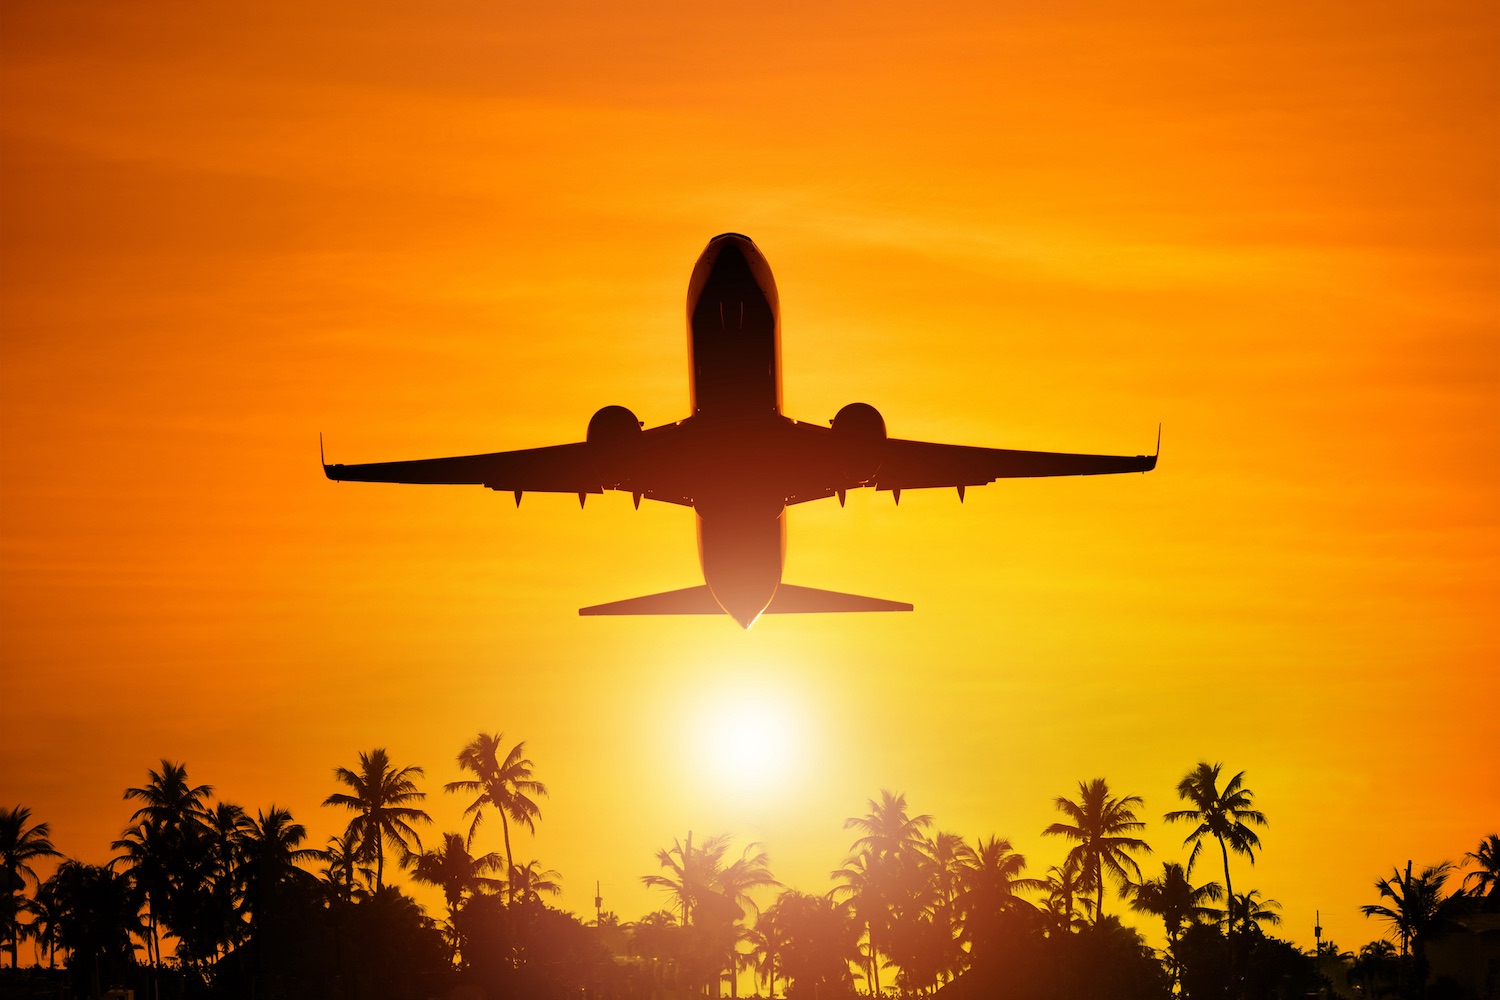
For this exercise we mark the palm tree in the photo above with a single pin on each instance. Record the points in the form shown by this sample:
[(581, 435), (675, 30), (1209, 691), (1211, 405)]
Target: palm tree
[(341, 864), (93, 914), (1176, 900), (987, 894), (1414, 903), (692, 871), (530, 882), (1251, 912), (164, 847), (459, 874), (20, 845), (1486, 878), (503, 783), (735, 882), (1100, 822), (381, 800), (1221, 814), (1065, 884), (882, 875), (270, 850)]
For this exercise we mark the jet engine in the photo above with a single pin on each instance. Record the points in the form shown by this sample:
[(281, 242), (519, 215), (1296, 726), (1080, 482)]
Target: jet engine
[(859, 430), (612, 431), (612, 426)]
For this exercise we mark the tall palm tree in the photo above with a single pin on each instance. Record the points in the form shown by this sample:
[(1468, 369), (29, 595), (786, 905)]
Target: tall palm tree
[(735, 882), (165, 849), (502, 782), (381, 799), (882, 876), (20, 845), (1486, 877), (1223, 814), (1100, 824)]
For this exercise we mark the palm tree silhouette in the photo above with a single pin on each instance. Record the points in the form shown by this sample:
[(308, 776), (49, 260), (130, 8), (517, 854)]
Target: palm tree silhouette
[(459, 875), (530, 882), (504, 783), (1251, 912), (1414, 903), (1221, 814), (691, 872), (163, 848), (882, 870), (1176, 900), (1486, 878), (340, 865), (380, 798), (1099, 824), (1065, 884), (20, 845)]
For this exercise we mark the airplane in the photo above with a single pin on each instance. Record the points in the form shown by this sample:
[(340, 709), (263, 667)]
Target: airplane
[(736, 459)]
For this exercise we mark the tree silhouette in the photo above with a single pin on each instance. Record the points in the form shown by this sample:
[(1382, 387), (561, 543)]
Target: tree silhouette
[(93, 916), (504, 783), (381, 797), (1065, 894), (460, 876), (1221, 814), (165, 850), (988, 892), (1176, 900), (529, 882), (1486, 877), (881, 877), (20, 845), (1252, 912), (1414, 902), (1100, 822)]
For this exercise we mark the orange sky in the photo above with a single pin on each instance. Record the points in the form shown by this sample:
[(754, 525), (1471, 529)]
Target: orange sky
[(455, 228)]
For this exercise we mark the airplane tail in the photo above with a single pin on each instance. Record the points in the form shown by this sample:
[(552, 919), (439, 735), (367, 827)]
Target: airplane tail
[(788, 600)]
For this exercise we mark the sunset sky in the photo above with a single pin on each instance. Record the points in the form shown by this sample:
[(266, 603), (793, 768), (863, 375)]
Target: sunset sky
[(458, 227)]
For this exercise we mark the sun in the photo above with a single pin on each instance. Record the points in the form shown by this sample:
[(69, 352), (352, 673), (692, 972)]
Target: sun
[(747, 743)]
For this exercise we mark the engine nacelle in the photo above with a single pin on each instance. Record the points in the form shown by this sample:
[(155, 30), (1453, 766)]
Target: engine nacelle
[(859, 430), (612, 433), (612, 425), (859, 422)]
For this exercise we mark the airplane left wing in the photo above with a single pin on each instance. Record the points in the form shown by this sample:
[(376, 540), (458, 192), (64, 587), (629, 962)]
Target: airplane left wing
[(563, 468), (910, 465)]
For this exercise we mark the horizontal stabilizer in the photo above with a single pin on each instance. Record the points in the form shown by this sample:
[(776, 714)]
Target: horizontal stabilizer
[(790, 600), (689, 601)]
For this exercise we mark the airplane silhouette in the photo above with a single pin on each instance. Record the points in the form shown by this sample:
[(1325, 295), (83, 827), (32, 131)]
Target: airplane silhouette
[(736, 460)]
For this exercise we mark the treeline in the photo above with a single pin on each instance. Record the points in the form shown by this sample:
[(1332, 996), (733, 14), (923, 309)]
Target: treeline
[(203, 899)]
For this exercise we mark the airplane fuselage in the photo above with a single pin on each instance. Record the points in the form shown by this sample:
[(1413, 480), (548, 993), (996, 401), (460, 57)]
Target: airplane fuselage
[(734, 358)]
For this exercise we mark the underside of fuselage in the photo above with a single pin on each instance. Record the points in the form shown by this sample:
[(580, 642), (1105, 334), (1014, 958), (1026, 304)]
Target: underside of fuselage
[(734, 346)]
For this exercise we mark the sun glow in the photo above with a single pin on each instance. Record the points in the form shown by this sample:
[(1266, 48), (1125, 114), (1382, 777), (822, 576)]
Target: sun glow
[(745, 743)]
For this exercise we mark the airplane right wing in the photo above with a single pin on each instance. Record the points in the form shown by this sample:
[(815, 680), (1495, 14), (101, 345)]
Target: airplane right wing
[(910, 465)]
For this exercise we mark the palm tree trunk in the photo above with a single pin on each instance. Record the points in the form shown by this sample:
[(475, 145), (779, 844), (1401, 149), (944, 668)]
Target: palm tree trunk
[(1229, 914)]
